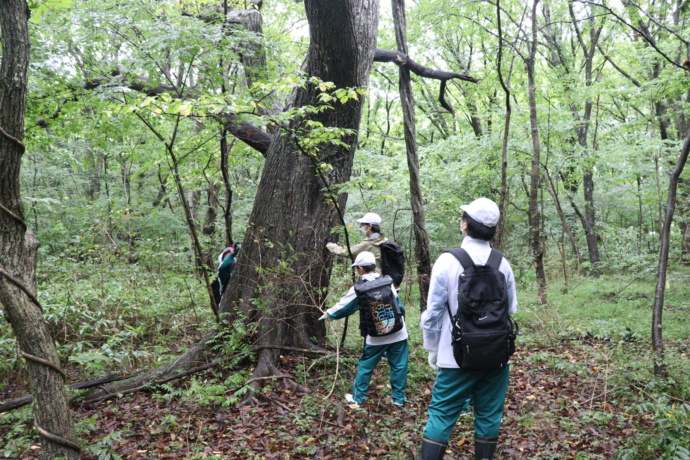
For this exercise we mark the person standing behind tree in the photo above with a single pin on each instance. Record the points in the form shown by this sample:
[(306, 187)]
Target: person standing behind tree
[(226, 265), (370, 226), (488, 386), (382, 323)]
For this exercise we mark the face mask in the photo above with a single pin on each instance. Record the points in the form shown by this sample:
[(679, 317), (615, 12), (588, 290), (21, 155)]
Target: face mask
[(364, 229)]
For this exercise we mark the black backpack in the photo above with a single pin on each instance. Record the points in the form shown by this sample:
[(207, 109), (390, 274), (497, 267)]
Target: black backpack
[(393, 261), (379, 312), (483, 334)]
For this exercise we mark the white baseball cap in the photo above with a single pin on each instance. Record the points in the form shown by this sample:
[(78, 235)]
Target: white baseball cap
[(364, 258), (484, 211), (370, 218)]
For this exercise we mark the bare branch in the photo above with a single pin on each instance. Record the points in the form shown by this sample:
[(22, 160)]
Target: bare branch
[(642, 33), (402, 60)]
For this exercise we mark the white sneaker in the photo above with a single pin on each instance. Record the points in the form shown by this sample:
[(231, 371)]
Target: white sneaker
[(350, 399), (397, 404)]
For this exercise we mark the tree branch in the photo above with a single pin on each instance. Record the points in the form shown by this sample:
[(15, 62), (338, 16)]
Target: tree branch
[(642, 34), (251, 134), (14, 140), (404, 61)]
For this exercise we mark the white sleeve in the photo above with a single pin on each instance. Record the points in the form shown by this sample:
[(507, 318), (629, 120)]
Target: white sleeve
[(510, 287), (346, 299), (432, 317), (335, 249)]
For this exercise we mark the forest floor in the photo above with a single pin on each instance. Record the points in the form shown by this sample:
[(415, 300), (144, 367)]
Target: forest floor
[(581, 388), (558, 407)]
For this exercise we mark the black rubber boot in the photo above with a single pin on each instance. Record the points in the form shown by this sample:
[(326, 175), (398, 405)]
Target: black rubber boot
[(432, 449), (484, 447)]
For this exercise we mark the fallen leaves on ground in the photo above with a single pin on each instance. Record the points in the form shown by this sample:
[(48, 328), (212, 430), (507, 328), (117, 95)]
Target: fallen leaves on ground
[(550, 414)]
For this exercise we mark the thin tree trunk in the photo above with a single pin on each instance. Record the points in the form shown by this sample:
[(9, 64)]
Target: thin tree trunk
[(590, 220), (657, 339), (18, 246), (225, 149), (191, 223), (582, 130), (640, 220), (535, 178), (551, 187), (581, 122), (503, 199), (416, 200)]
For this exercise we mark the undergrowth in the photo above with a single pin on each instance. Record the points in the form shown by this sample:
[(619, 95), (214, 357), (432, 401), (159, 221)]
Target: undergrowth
[(584, 371)]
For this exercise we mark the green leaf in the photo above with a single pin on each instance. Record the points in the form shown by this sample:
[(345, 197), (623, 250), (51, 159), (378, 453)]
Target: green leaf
[(40, 7)]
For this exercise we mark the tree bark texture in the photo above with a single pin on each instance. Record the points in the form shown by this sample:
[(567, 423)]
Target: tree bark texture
[(282, 275), (407, 102), (535, 177), (18, 246), (252, 54), (657, 339)]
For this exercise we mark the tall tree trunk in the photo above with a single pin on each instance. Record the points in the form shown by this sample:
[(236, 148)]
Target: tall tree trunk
[(657, 339), (18, 246), (535, 178), (503, 199), (225, 149), (191, 219), (551, 188), (421, 237), (582, 122), (582, 130), (281, 279), (590, 220)]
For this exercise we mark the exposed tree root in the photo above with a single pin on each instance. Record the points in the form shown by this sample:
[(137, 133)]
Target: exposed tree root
[(20, 402), (266, 369), (196, 359), (199, 358)]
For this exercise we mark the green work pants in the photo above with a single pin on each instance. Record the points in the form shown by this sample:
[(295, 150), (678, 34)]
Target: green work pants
[(452, 388), (397, 360)]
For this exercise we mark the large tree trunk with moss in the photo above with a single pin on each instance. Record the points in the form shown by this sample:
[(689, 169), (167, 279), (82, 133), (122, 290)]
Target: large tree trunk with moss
[(283, 270), (18, 246)]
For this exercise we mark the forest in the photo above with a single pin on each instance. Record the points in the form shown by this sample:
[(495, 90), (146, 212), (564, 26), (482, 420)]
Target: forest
[(139, 139)]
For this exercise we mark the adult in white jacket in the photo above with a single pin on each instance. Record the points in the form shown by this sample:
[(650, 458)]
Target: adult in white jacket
[(453, 385)]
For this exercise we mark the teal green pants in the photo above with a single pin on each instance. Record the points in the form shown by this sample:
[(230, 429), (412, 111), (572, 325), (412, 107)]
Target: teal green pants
[(397, 360), (452, 388)]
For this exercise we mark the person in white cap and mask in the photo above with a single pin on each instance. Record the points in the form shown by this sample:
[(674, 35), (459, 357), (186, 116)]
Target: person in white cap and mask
[(383, 335), (370, 226), (454, 385)]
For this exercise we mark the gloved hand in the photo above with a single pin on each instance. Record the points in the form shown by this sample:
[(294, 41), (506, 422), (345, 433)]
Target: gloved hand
[(433, 357), (331, 246), (324, 316)]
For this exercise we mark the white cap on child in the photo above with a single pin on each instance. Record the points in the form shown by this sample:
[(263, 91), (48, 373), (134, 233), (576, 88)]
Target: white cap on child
[(364, 259)]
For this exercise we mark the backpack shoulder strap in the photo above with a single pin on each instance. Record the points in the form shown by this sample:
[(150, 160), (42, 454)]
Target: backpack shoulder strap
[(495, 259), (463, 257)]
